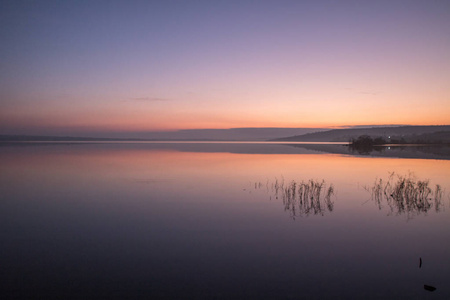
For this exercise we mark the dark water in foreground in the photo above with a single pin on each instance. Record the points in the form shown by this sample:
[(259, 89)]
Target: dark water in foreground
[(201, 221)]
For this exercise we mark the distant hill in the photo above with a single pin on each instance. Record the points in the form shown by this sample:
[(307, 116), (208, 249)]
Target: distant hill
[(232, 134), (427, 134), (37, 138)]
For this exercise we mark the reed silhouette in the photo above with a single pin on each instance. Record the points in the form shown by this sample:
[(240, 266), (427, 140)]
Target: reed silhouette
[(405, 194), (302, 198)]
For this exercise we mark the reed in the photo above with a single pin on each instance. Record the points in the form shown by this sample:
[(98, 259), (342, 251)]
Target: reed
[(405, 194), (303, 198)]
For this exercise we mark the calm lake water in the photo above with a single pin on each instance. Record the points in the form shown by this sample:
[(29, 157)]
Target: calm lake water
[(220, 221)]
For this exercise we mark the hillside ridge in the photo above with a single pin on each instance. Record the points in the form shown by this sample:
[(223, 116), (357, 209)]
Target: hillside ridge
[(407, 133)]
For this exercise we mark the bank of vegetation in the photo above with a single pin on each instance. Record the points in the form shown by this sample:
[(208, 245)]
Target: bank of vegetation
[(366, 143)]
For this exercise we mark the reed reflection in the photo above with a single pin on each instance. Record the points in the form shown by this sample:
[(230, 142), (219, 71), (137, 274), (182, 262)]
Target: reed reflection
[(405, 194), (304, 198)]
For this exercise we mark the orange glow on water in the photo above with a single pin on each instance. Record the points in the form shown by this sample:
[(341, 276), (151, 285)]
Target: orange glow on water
[(143, 162)]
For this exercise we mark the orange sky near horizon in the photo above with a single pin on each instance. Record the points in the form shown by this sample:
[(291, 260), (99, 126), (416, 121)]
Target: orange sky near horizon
[(127, 116)]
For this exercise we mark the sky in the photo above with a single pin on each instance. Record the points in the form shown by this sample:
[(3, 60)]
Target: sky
[(86, 67)]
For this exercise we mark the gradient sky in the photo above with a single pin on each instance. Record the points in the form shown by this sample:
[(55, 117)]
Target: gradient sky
[(96, 66)]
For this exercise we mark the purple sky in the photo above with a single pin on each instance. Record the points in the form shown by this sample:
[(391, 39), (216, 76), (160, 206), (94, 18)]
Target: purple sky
[(123, 66)]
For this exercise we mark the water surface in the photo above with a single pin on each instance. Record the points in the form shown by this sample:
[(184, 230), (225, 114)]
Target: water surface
[(203, 221)]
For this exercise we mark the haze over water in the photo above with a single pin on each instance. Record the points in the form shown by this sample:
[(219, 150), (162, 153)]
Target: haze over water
[(160, 221)]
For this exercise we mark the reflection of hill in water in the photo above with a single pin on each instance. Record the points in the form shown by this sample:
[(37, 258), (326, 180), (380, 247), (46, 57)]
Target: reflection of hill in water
[(400, 151), (423, 151), (406, 195), (303, 198), (197, 147)]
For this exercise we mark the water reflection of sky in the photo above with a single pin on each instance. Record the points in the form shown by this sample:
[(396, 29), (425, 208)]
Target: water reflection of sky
[(120, 220)]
